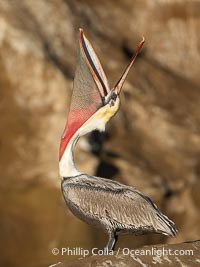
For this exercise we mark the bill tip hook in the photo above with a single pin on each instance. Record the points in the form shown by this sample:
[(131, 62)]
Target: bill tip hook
[(81, 31)]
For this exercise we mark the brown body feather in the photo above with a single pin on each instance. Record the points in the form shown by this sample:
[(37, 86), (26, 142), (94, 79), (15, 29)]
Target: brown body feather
[(113, 206)]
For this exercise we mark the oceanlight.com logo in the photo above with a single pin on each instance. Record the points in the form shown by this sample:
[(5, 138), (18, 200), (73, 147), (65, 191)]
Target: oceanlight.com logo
[(157, 252), (78, 251)]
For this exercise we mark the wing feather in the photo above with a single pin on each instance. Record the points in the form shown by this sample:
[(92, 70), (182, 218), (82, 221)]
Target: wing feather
[(122, 206)]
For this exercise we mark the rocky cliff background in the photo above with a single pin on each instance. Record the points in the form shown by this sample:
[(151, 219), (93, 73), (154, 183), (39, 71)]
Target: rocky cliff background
[(153, 143)]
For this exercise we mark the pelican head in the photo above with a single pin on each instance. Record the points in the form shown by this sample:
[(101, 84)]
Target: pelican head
[(93, 103)]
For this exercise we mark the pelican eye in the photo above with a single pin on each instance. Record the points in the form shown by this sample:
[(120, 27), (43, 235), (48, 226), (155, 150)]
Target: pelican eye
[(113, 96), (112, 99)]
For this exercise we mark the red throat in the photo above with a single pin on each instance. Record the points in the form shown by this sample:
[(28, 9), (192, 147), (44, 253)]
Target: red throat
[(76, 119), (71, 127), (90, 89), (87, 98)]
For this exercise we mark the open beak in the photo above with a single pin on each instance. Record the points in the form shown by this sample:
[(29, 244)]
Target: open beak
[(120, 83), (90, 89)]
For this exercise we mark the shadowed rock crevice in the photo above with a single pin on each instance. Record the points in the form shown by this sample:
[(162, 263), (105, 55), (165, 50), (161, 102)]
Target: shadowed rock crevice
[(49, 51), (106, 170)]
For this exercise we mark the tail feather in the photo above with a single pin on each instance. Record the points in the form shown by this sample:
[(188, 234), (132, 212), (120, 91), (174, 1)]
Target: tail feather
[(167, 226), (164, 225)]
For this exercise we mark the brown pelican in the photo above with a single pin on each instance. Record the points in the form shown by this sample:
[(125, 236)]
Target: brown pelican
[(115, 207)]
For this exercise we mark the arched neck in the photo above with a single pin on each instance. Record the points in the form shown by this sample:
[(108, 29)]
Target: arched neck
[(66, 165), (97, 121)]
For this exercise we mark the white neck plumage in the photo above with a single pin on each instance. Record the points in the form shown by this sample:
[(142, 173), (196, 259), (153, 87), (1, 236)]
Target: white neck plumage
[(66, 164), (97, 122)]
